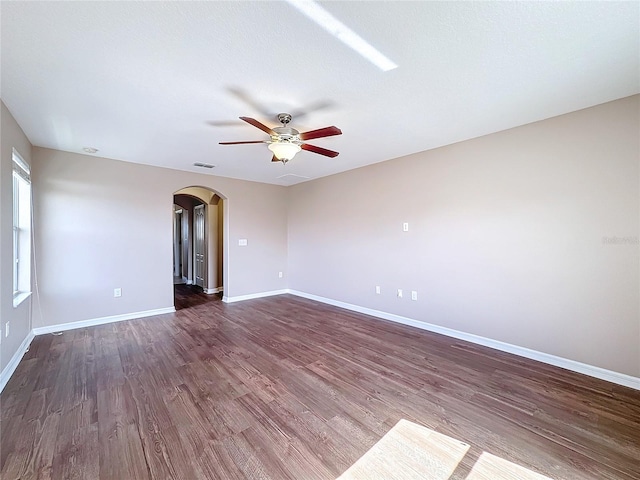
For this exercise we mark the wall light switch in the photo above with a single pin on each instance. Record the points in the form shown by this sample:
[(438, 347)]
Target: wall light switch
[(378, 289), (414, 295), (279, 274), (117, 292), (399, 293), (6, 329), (243, 242), (405, 227)]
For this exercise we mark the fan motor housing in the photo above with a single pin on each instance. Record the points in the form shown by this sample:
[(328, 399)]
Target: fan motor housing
[(286, 134)]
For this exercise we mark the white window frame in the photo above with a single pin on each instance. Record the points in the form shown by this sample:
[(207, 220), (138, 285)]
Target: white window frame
[(22, 211)]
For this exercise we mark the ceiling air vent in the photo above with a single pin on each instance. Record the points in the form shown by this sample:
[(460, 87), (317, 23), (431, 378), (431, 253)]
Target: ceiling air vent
[(203, 165), (291, 178)]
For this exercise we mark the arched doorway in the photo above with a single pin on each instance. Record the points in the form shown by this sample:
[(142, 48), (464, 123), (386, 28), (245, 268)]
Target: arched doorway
[(199, 259)]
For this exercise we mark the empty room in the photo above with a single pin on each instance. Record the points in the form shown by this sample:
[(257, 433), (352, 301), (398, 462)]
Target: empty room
[(317, 240)]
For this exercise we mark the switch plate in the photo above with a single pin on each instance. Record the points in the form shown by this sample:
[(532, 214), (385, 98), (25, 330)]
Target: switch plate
[(6, 329), (405, 227), (399, 293), (279, 274), (414, 295), (117, 292), (378, 289), (242, 242)]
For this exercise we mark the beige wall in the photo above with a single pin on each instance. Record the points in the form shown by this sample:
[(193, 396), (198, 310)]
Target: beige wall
[(103, 224), (19, 318), (505, 236)]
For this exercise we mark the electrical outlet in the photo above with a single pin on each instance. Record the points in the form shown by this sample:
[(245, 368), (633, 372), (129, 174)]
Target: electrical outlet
[(405, 227), (117, 292), (399, 293), (377, 289), (279, 274), (414, 295), (6, 329)]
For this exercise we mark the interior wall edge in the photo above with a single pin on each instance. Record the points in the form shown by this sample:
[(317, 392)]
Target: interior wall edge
[(8, 371), (210, 291), (92, 322), (251, 296)]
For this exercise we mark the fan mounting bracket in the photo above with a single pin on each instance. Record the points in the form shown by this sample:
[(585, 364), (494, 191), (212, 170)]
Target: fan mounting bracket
[(284, 118)]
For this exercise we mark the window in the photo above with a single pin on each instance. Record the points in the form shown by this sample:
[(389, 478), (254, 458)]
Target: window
[(21, 229)]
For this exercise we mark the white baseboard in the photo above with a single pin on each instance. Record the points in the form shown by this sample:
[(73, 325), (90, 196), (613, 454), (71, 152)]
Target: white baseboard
[(209, 291), (15, 360), (61, 327), (597, 372), (593, 371), (251, 296)]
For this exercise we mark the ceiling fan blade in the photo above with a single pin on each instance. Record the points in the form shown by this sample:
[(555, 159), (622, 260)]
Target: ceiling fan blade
[(320, 150), (314, 107), (275, 159), (238, 143), (257, 124), (321, 132), (250, 101)]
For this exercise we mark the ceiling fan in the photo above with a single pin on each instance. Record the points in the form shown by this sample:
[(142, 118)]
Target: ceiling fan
[(285, 141)]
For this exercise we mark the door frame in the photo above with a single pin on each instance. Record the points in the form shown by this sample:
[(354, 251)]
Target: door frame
[(226, 235), (177, 243), (200, 239)]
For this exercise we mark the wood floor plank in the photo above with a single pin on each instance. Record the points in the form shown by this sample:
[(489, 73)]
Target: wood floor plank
[(121, 452), (77, 453), (10, 430), (287, 388)]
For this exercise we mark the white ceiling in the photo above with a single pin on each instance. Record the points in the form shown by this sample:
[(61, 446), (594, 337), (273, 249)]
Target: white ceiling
[(163, 83)]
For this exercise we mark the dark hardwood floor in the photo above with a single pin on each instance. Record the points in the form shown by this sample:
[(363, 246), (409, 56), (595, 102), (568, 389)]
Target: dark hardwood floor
[(286, 388)]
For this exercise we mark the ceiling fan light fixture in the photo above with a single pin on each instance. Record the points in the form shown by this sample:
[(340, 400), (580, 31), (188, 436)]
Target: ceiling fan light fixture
[(286, 142), (284, 151)]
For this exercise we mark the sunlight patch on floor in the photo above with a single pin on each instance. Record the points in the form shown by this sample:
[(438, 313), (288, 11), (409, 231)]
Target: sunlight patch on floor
[(490, 467), (409, 451)]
